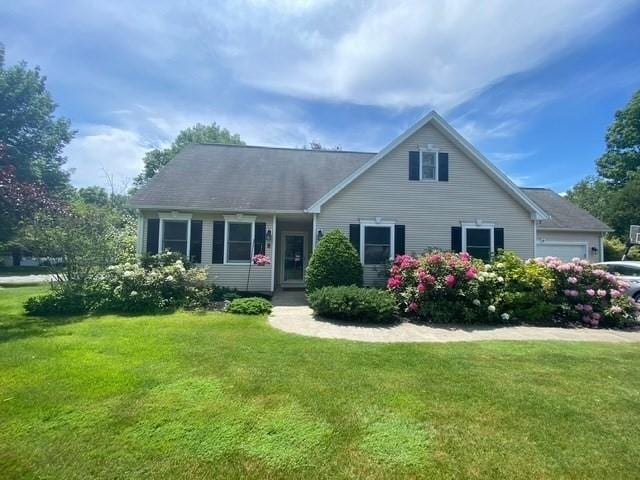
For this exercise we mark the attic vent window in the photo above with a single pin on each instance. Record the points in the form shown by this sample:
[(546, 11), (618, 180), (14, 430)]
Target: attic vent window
[(428, 165)]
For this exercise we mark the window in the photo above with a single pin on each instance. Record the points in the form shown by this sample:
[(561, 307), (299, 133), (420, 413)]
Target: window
[(625, 270), (478, 241), (239, 238), (377, 244), (428, 165), (175, 236)]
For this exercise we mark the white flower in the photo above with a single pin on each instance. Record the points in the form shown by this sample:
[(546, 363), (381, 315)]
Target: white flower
[(169, 278), (481, 278), (500, 279), (500, 265), (127, 273), (476, 302), (133, 293), (491, 308), (505, 316)]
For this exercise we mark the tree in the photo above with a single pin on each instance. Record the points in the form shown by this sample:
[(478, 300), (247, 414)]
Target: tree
[(593, 194), (155, 159), (32, 138), (85, 237), (622, 158)]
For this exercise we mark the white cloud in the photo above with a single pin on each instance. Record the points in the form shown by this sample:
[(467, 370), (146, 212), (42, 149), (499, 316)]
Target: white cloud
[(475, 131), (506, 157), (401, 53), (101, 148)]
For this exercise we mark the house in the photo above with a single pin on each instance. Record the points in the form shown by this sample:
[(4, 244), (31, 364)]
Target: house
[(221, 204)]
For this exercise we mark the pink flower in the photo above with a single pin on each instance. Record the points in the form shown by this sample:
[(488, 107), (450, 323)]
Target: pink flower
[(614, 293), (413, 306), (571, 293), (601, 293), (588, 308), (470, 273), (435, 258), (422, 275), (421, 287), (591, 292), (261, 260), (450, 280), (596, 316), (572, 280), (405, 261), (579, 307), (430, 279), (394, 282), (586, 319), (465, 257)]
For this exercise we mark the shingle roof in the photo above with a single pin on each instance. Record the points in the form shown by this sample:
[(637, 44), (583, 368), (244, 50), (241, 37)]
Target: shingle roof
[(213, 176), (563, 213)]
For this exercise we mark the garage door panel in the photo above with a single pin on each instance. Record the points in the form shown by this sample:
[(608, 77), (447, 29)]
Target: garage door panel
[(564, 251)]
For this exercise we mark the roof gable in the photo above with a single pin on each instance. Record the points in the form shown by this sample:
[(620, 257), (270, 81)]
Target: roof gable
[(500, 178)]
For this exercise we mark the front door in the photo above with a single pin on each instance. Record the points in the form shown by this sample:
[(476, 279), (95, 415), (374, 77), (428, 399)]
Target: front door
[(293, 258)]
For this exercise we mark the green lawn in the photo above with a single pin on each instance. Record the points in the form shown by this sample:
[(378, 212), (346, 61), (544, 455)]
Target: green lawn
[(223, 396)]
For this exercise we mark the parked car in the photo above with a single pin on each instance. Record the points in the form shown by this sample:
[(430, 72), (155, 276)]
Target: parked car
[(630, 272)]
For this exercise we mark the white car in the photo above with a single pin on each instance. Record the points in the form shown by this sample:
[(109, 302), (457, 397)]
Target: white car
[(629, 272)]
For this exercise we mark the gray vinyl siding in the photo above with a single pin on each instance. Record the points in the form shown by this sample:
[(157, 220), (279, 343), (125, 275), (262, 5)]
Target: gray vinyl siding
[(591, 238), (233, 276), (428, 209)]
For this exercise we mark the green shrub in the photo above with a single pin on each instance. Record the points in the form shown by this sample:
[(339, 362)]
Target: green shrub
[(353, 303), (58, 302), (334, 263), (250, 306), (219, 294)]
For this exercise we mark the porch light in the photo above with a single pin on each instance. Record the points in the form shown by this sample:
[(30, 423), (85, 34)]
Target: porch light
[(269, 236), (319, 235)]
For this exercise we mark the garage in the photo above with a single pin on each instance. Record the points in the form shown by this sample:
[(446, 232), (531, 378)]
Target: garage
[(563, 250)]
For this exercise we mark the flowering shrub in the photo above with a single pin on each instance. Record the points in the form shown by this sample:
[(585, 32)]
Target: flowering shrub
[(163, 283), (589, 294), (155, 283), (450, 287), (261, 260), (437, 286)]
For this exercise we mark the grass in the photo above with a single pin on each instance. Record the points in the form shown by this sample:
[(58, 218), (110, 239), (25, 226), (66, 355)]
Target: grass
[(189, 395)]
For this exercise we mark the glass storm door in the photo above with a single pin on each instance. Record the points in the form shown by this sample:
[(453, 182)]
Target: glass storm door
[(293, 257)]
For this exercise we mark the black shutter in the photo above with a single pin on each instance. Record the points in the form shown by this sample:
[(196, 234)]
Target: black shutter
[(218, 242), (399, 240), (414, 165), (456, 239), (443, 167), (259, 240), (498, 239), (195, 247), (354, 236), (153, 235)]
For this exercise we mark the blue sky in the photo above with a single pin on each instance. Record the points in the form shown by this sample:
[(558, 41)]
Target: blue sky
[(533, 85)]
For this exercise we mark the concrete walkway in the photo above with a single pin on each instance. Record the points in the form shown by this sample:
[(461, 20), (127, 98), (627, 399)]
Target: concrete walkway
[(291, 314), (25, 279)]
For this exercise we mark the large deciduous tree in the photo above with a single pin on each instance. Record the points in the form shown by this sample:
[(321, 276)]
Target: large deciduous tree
[(155, 159), (32, 138), (622, 158)]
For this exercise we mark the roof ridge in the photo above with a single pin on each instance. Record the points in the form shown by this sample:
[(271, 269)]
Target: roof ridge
[(214, 144)]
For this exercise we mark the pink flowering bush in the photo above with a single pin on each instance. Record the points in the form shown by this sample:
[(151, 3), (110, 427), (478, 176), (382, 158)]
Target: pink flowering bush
[(449, 287), (438, 286), (261, 260), (585, 293)]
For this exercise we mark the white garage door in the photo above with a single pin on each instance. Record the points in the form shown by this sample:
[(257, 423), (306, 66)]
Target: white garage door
[(564, 251)]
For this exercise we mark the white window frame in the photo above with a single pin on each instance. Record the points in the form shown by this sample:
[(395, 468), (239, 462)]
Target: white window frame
[(228, 219), (436, 153), (378, 223), (478, 226), (176, 217)]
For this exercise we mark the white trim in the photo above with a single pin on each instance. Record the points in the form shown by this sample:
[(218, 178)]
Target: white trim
[(602, 247), (239, 218), (436, 152), (314, 235), (212, 209), (174, 216), (535, 238), (478, 226), (463, 144), (305, 256), (139, 243), (273, 254), (585, 230), (378, 223)]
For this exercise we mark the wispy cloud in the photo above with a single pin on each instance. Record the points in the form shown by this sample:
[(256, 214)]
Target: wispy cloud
[(508, 157)]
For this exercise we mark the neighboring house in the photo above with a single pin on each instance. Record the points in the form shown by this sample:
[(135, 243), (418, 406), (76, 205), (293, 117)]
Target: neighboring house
[(221, 204)]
